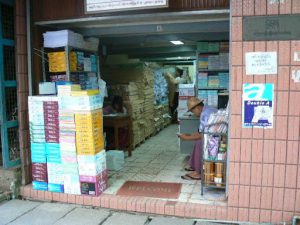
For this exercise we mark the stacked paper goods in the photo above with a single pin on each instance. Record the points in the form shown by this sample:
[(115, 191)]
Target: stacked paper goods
[(160, 88), (185, 92), (224, 80), (148, 93), (138, 95), (54, 168), (83, 102), (166, 115), (51, 121), (224, 47), (39, 166), (44, 134), (60, 77), (93, 173), (213, 81), (158, 120), (218, 62), (68, 142), (202, 80), (77, 60), (214, 62), (65, 90), (62, 38), (68, 154), (161, 117), (212, 98), (211, 47), (202, 94), (203, 61), (91, 157)]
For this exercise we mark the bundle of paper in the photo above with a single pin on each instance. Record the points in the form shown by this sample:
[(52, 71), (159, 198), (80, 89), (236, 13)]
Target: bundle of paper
[(62, 38), (51, 115), (89, 132), (65, 90)]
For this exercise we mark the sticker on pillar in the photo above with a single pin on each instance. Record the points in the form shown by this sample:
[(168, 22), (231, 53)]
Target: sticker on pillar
[(258, 105), (276, 1), (296, 76), (261, 63), (297, 56)]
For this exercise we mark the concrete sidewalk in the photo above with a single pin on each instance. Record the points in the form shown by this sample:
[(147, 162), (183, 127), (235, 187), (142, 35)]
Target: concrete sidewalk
[(21, 212)]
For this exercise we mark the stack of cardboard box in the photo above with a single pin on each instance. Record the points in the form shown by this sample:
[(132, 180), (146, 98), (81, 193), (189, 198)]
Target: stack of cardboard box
[(67, 142), (45, 147), (90, 147), (138, 95)]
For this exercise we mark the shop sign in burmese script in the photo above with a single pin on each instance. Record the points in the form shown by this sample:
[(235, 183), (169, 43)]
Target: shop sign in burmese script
[(93, 6), (266, 28)]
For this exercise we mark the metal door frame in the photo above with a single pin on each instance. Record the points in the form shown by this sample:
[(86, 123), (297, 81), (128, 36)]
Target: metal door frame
[(5, 125)]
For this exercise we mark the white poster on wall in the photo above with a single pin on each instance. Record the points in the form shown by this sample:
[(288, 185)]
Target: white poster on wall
[(260, 63), (93, 6)]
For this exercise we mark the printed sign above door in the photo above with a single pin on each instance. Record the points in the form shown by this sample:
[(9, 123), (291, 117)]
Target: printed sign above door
[(97, 6)]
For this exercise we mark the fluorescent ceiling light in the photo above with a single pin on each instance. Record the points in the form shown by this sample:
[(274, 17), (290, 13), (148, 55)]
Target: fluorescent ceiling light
[(177, 42)]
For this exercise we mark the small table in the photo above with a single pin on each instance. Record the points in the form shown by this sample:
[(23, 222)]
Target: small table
[(116, 122)]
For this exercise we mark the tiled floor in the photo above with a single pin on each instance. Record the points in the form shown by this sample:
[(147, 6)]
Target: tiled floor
[(159, 159)]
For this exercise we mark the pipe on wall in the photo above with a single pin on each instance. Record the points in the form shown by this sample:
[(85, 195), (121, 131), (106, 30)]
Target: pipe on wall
[(29, 52)]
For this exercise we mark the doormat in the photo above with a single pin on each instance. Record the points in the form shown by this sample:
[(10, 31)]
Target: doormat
[(150, 189)]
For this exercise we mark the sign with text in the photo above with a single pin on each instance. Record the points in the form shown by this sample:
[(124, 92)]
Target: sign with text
[(258, 105), (96, 6), (266, 28), (260, 63)]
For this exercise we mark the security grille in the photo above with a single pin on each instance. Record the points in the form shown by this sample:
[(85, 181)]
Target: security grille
[(9, 63), (11, 103), (13, 143), (7, 17), (1, 158)]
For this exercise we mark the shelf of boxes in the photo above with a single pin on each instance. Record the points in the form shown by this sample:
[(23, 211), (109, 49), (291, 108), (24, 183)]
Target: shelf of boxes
[(72, 65), (213, 71), (71, 58)]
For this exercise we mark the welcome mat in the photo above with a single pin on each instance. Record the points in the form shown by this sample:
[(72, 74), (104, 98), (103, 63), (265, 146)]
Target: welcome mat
[(150, 189)]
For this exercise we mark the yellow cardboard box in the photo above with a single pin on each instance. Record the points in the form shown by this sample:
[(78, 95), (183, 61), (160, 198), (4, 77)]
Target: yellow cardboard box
[(85, 92)]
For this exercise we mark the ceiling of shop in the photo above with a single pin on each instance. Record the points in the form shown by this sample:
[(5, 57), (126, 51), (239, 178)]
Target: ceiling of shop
[(148, 36)]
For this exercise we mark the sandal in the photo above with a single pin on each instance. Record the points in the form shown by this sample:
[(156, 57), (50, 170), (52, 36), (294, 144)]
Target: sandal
[(188, 168), (188, 177)]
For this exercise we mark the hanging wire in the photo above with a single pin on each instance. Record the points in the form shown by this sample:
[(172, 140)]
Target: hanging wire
[(40, 53)]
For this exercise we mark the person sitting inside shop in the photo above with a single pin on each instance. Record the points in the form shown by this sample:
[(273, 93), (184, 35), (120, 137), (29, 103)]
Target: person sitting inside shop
[(197, 107), (116, 108)]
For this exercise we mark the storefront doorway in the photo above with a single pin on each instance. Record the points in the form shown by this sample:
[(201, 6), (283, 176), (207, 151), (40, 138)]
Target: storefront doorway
[(147, 39)]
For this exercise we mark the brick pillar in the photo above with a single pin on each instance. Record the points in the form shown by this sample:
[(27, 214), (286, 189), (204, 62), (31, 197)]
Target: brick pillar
[(264, 182), (22, 87)]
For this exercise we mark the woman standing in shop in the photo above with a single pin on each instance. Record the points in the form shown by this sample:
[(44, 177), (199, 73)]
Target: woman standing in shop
[(197, 107)]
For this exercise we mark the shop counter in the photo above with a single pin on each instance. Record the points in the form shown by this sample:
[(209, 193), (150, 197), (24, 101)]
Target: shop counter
[(187, 124), (116, 122)]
